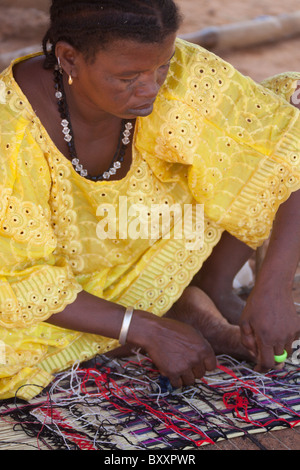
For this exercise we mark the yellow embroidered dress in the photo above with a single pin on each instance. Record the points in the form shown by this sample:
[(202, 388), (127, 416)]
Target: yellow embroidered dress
[(215, 138)]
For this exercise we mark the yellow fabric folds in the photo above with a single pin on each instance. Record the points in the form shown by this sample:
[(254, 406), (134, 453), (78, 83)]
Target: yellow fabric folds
[(215, 138), (239, 140)]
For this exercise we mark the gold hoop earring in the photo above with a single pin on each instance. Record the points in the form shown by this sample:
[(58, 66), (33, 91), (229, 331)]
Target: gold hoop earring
[(70, 81)]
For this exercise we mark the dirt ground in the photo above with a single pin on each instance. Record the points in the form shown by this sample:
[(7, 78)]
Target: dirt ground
[(258, 62), (24, 21)]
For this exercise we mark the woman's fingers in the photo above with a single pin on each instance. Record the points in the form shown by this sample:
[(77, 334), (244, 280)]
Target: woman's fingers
[(180, 353), (248, 338)]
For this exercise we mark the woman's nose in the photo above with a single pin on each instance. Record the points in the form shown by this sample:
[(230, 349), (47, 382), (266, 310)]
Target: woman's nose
[(148, 88)]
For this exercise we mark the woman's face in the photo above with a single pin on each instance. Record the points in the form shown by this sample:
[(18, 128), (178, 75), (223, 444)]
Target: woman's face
[(124, 79)]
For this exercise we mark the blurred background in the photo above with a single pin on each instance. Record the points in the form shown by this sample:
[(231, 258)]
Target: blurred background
[(23, 23)]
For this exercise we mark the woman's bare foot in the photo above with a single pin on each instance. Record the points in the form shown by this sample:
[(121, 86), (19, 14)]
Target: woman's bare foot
[(197, 309), (230, 305), (227, 302), (216, 276)]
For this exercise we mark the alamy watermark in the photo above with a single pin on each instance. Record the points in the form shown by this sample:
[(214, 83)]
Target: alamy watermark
[(295, 358), (295, 99), (134, 221)]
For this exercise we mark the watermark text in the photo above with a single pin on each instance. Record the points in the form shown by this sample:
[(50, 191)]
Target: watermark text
[(151, 222)]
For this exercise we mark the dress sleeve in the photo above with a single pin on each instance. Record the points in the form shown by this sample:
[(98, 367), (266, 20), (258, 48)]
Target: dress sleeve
[(34, 282), (238, 140)]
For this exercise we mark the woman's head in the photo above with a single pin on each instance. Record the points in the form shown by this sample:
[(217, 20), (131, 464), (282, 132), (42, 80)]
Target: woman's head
[(89, 26)]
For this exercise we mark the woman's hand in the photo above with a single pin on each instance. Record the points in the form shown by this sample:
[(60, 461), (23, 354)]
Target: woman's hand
[(269, 325), (177, 349)]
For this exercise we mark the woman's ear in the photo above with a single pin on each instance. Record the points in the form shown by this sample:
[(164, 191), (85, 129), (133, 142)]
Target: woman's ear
[(68, 58)]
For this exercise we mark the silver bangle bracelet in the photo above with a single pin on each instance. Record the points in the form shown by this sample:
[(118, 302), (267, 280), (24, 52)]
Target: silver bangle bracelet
[(125, 325)]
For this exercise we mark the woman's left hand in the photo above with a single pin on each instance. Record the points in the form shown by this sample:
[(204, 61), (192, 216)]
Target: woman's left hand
[(269, 325)]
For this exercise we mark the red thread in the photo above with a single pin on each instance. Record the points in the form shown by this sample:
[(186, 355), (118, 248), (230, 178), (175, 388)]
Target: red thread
[(120, 392), (60, 421), (241, 403)]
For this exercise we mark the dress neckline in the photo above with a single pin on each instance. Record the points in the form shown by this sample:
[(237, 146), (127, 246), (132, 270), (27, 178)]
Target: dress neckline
[(32, 116)]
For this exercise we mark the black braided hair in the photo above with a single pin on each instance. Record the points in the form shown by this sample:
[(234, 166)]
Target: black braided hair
[(90, 25)]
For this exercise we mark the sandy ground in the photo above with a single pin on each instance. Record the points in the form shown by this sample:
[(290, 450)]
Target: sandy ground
[(257, 62)]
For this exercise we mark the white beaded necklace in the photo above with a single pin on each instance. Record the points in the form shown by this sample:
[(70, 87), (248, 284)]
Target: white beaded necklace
[(124, 138)]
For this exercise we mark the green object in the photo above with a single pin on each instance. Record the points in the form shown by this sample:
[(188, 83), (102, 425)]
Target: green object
[(281, 358)]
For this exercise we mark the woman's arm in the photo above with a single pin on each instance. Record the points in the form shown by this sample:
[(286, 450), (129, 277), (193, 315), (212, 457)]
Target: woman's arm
[(178, 350), (89, 314), (269, 323)]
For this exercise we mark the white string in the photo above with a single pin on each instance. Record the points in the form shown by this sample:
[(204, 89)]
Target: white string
[(67, 391)]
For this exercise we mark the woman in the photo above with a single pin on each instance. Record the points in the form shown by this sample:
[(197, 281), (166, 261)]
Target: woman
[(118, 114)]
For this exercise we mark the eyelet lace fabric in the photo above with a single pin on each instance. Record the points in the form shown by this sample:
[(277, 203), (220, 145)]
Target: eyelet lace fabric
[(215, 138), (239, 141)]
